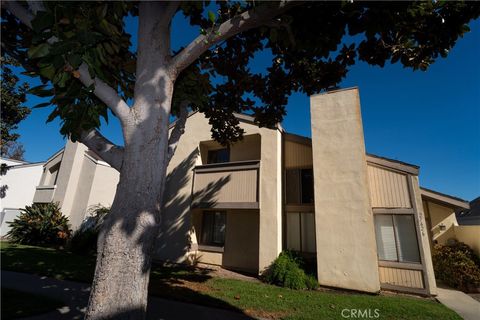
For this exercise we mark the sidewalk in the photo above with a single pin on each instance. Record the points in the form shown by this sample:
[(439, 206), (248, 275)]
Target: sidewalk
[(467, 307), (75, 295)]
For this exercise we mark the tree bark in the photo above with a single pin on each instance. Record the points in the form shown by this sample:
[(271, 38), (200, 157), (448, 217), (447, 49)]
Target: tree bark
[(120, 286), (125, 244)]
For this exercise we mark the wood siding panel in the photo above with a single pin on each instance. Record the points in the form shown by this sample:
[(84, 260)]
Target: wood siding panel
[(388, 189), (297, 155), (401, 277), (226, 186)]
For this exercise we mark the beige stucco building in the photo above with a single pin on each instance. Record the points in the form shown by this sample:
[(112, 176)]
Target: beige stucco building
[(442, 224), (361, 217), (78, 180)]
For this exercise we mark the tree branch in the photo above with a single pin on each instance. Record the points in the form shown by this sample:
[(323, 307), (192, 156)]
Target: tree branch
[(242, 22), (105, 93), (102, 90), (177, 131), (104, 148)]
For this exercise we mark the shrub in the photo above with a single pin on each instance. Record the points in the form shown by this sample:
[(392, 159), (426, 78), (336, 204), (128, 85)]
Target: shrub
[(286, 271), (41, 224), (457, 265), (311, 282), (84, 240)]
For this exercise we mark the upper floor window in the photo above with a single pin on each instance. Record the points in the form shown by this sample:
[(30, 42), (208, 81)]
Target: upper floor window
[(299, 186), (218, 156), (51, 175), (396, 238)]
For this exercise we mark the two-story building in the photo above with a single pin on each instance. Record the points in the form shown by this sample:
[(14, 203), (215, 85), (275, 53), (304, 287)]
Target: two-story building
[(360, 216)]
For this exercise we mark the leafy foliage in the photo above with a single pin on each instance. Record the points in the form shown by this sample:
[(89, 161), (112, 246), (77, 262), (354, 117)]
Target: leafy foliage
[(90, 33), (40, 224), (12, 97), (457, 265), (84, 240), (286, 271), (312, 47)]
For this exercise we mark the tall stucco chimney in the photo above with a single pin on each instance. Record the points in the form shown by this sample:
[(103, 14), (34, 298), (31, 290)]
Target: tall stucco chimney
[(345, 238)]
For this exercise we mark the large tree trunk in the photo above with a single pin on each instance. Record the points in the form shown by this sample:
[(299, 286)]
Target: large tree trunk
[(126, 242), (120, 286), (119, 289)]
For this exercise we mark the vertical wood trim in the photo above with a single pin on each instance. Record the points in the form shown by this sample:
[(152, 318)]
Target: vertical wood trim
[(417, 228), (388, 189)]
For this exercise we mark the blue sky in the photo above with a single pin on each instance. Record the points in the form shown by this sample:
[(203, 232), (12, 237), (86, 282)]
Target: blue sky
[(431, 119)]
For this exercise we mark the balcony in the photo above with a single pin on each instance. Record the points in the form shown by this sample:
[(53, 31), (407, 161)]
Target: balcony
[(230, 185), (44, 194)]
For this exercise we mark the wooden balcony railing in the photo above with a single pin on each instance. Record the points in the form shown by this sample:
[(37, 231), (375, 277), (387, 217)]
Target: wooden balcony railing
[(230, 185)]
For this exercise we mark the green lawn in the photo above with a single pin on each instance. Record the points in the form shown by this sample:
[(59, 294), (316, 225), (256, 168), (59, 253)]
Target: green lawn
[(17, 304), (256, 299)]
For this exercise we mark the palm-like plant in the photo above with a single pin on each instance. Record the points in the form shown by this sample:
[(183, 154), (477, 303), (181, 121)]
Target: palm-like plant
[(40, 224)]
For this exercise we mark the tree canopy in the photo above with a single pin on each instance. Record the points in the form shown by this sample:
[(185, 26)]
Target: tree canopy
[(312, 45), (13, 96), (87, 65)]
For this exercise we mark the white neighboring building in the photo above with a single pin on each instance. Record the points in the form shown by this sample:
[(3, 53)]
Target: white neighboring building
[(22, 178)]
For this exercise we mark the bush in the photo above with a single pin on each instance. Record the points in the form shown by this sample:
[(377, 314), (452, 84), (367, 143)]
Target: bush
[(457, 265), (286, 271), (41, 224), (84, 240), (311, 282)]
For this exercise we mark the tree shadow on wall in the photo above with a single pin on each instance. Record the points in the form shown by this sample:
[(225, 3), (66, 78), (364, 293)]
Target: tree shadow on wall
[(174, 240)]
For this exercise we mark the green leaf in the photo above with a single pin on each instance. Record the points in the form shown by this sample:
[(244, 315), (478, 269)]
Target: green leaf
[(39, 51), (55, 113), (75, 60), (40, 91), (211, 16), (61, 79), (42, 20), (42, 105), (47, 71)]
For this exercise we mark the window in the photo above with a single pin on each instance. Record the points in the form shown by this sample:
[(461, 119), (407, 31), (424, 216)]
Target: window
[(213, 228), (299, 186), (396, 238), (52, 175), (218, 156), (301, 231)]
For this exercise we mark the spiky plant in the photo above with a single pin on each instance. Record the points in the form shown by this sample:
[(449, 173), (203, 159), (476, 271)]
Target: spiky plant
[(41, 224)]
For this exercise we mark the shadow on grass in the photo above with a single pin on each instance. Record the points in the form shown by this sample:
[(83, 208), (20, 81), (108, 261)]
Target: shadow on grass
[(186, 284), (180, 283), (54, 263)]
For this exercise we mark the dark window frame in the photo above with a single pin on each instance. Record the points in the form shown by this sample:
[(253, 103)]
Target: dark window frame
[(213, 155), (207, 237), (300, 175)]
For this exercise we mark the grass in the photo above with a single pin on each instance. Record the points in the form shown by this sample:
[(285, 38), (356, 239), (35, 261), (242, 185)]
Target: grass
[(49, 262), (252, 298), (17, 304)]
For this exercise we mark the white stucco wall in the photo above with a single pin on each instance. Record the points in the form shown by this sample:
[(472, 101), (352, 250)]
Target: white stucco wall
[(21, 181)]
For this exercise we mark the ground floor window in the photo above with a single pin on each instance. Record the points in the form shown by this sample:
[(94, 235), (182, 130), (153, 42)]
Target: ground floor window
[(396, 238), (213, 228), (301, 231)]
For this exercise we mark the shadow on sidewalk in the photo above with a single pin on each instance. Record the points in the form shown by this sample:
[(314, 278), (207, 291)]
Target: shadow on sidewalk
[(75, 297)]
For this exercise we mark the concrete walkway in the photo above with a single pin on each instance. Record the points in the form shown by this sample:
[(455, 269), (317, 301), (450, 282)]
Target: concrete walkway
[(75, 297), (467, 307)]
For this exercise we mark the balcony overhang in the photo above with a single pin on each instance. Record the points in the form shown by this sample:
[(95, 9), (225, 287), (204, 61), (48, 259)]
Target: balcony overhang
[(44, 194), (230, 185)]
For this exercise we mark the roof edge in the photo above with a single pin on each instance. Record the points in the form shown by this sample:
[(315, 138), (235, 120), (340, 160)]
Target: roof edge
[(240, 116), (444, 198)]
